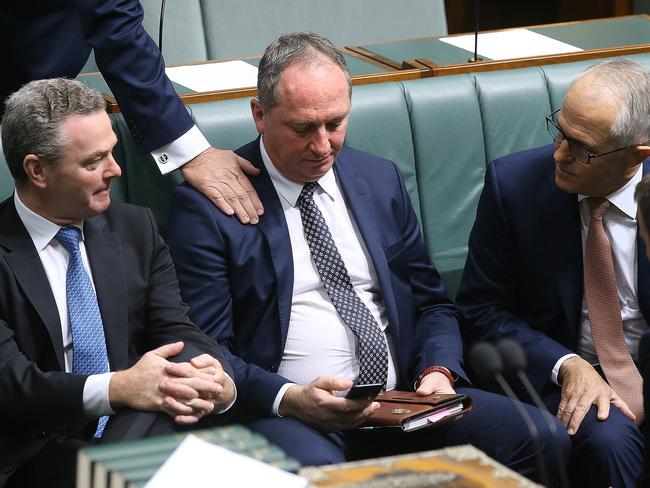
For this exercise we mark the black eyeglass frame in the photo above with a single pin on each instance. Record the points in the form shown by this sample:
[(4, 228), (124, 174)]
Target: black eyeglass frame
[(590, 155)]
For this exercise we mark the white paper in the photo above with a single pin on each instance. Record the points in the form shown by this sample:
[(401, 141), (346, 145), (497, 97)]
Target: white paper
[(198, 463), (513, 43), (226, 75)]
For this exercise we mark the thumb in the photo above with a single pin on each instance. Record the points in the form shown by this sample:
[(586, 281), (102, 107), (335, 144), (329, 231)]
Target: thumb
[(247, 167), (332, 383), (169, 350)]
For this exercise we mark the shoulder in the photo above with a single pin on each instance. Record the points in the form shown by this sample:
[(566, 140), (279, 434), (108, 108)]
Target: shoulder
[(371, 167), (127, 219), (522, 171)]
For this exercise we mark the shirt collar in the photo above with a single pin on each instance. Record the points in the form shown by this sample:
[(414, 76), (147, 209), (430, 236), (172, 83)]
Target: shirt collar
[(623, 198), (290, 190), (41, 230)]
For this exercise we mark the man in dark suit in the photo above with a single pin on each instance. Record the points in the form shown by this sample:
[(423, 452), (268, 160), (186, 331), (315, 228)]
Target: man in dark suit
[(275, 295), (555, 262), (95, 341), (51, 39)]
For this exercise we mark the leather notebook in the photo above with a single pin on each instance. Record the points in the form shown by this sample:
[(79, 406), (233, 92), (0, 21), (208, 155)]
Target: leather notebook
[(411, 412)]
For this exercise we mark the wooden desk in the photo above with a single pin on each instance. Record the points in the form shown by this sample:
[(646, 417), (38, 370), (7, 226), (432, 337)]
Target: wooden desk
[(599, 38)]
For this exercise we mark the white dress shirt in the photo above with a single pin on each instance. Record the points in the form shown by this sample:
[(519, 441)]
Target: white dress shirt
[(318, 341), (55, 262), (621, 227), (178, 152)]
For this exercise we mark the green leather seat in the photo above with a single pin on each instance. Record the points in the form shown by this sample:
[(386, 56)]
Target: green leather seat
[(379, 124), (445, 121)]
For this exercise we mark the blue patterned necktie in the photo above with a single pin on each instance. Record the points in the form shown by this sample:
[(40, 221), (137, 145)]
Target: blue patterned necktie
[(88, 343), (372, 351)]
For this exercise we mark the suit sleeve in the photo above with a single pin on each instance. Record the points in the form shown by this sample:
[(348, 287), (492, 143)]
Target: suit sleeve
[(33, 398), (436, 333), (488, 296), (202, 259), (166, 314), (134, 69)]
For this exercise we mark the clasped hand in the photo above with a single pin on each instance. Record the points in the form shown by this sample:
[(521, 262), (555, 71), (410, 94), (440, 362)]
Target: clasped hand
[(185, 391)]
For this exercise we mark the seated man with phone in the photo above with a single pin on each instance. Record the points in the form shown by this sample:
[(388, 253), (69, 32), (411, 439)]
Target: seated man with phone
[(334, 285)]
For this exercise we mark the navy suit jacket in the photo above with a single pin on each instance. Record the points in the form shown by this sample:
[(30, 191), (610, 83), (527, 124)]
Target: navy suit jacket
[(523, 277), (238, 279), (141, 309), (49, 39)]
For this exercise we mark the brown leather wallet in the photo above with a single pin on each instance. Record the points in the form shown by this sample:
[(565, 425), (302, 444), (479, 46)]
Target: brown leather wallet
[(411, 412)]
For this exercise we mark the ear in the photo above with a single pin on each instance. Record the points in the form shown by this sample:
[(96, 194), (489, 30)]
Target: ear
[(642, 152), (258, 115), (36, 170)]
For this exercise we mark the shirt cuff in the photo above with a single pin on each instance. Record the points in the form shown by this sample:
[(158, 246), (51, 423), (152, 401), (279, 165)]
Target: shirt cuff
[(175, 154), (558, 365), (95, 396), (279, 397), (234, 398)]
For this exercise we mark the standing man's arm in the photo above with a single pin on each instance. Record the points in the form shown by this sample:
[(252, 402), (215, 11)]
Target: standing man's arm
[(134, 69)]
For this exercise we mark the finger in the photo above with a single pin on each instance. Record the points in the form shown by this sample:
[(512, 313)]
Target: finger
[(232, 200), (623, 407), (169, 350), (247, 167), (173, 407), (187, 419), (247, 186), (580, 409), (563, 412), (602, 406), (205, 361), (186, 370), (178, 390), (332, 383), (205, 407)]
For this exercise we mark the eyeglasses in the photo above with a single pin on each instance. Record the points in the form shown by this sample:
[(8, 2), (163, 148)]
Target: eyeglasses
[(577, 150)]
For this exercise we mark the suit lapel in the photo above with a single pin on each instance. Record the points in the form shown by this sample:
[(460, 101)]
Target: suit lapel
[(357, 195), (643, 267), (564, 244), (107, 266), (274, 227), (26, 265)]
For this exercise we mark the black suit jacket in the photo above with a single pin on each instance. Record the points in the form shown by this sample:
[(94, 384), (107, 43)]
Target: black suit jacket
[(46, 39), (141, 309)]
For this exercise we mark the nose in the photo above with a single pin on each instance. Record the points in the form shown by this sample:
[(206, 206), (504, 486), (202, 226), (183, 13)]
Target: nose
[(562, 152), (113, 169), (320, 143)]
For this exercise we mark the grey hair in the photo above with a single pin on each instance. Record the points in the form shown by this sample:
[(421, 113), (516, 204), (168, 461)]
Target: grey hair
[(288, 49), (34, 116), (626, 83)]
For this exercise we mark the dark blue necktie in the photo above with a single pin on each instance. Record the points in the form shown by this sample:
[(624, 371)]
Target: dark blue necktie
[(88, 343), (372, 350)]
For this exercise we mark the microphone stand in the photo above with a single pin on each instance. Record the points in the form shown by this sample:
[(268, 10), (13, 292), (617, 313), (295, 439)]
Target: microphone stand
[(477, 8)]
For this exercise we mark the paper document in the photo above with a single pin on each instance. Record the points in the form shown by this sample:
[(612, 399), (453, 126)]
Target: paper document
[(514, 43), (196, 462), (433, 418), (227, 75)]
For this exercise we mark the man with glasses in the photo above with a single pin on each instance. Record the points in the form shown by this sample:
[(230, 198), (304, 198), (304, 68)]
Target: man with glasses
[(555, 262)]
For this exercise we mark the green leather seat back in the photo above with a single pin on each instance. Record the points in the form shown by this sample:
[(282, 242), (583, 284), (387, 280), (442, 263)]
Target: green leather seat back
[(6, 180), (227, 124), (236, 28), (445, 120), (379, 124), (513, 106), (183, 32)]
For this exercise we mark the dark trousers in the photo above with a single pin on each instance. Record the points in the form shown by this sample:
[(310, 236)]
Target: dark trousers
[(493, 426), (604, 453)]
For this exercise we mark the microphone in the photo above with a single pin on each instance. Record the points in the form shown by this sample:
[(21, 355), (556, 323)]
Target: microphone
[(515, 363), (477, 8), (487, 364), (160, 26)]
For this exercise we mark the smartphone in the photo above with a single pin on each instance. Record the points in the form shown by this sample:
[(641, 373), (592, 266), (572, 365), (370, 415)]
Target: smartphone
[(371, 390)]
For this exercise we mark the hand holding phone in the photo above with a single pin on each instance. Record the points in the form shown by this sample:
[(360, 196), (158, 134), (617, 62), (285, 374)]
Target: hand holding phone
[(368, 391)]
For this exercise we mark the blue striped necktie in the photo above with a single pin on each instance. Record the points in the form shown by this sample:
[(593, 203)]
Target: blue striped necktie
[(88, 343)]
